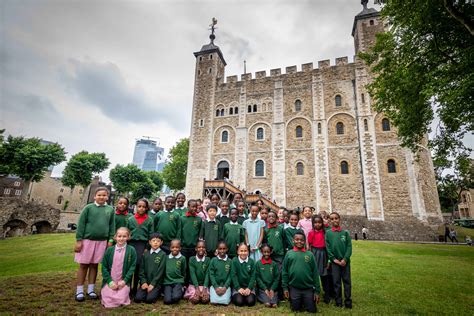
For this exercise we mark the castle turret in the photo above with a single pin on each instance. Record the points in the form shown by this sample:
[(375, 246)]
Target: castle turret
[(210, 65), (366, 25)]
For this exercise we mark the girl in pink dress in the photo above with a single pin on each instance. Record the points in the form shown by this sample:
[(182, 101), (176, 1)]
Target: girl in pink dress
[(118, 266)]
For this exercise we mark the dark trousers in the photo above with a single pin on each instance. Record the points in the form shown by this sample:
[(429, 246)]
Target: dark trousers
[(302, 300), (188, 253), (240, 300), (342, 275), (173, 293), (147, 297), (139, 246)]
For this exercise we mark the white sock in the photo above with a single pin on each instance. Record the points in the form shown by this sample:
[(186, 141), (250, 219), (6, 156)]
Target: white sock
[(90, 288), (80, 289)]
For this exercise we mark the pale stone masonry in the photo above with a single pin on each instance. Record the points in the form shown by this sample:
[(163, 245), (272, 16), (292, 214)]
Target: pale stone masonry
[(308, 136)]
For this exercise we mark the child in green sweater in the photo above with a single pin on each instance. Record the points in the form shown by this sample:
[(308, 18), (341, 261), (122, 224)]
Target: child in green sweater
[(243, 214), (156, 207), (141, 227), (268, 277), (152, 270), (339, 249), (223, 217), (219, 276), (243, 278), (275, 237), (168, 224), (175, 274), (300, 278), (95, 231), (121, 212), (291, 230), (190, 229), (180, 200), (211, 230), (234, 233), (197, 290)]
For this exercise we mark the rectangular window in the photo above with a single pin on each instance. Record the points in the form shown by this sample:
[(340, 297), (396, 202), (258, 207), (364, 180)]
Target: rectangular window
[(17, 183), (17, 192), (6, 191)]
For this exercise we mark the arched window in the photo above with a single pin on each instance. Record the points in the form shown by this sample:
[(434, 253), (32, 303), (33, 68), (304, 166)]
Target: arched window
[(60, 199), (225, 137), (236, 110), (218, 112), (344, 167), (385, 125), (339, 128), (298, 105), (366, 125), (338, 100), (299, 132), (260, 134), (249, 109), (231, 111), (319, 128), (259, 168), (391, 166), (222, 112), (255, 108), (299, 169)]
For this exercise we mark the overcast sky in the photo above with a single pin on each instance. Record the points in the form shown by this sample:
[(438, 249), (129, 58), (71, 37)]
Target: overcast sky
[(95, 75)]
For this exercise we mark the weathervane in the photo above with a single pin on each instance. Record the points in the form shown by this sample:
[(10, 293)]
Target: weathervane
[(364, 3), (213, 28)]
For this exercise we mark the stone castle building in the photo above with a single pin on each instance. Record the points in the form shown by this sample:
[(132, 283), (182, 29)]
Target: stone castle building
[(308, 136)]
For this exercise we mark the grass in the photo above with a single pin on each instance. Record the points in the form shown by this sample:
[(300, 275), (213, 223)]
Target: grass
[(461, 231), (388, 278)]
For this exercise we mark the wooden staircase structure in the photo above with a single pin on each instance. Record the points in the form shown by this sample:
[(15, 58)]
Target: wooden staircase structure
[(226, 191)]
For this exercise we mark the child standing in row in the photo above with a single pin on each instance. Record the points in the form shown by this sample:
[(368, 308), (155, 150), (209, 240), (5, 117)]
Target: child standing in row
[(224, 215), (291, 230), (121, 212), (254, 230), (118, 266), (156, 207), (168, 224), (95, 231), (242, 212), (175, 274), (234, 233), (190, 228), (152, 270), (220, 276), (243, 278), (306, 223), (211, 230), (180, 200), (268, 277), (198, 288), (339, 248)]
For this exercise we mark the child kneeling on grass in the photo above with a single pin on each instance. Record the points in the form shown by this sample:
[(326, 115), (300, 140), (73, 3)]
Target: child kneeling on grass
[(197, 291), (152, 270), (268, 278), (219, 275), (300, 277), (243, 278), (118, 266), (175, 274)]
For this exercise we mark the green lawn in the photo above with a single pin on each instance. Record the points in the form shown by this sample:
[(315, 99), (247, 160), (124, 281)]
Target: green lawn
[(388, 278)]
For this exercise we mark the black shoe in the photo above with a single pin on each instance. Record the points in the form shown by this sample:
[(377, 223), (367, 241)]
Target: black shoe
[(80, 297), (338, 304), (92, 295), (327, 300), (348, 305)]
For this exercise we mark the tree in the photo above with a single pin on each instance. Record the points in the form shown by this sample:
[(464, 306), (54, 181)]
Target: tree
[(125, 177), (424, 65), (82, 167), (144, 189), (28, 158), (157, 178), (174, 172)]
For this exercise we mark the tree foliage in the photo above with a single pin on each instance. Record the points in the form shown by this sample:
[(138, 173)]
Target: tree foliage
[(424, 65), (82, 167), (144, 189), (124, 177), (157, 179), (174, 172)]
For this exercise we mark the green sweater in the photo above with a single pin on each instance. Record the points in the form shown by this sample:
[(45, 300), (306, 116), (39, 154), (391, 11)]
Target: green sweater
[(211, 233), (275, 237), (121, 220), (190, 228), (338, 245), (181, 211), (234, 234), (129, 263), (175, 271), (140, 232), (300, 271), (168, 224), (289, 234), (219, 272), (151, 214), (243, 274), (223, 220), (96, 223), (198, 271), (267, 275), (152, 268)]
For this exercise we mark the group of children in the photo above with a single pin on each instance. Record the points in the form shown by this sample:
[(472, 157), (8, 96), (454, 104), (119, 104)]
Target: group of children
[(211, 251)]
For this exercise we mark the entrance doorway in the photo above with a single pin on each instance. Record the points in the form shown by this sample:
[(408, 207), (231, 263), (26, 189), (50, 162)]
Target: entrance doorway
[(222, 170)]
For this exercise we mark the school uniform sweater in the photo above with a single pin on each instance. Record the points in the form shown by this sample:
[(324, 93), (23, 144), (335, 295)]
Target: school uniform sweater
[(152, 214), (219, 272), (338, 245), (96, 223), (198, 271), (175, 270), (243, 274), (129, 263), (121, 220), (289, 234), (140, 231), (267, 275), (181, 211), (152, 269), (241, 219), (168, 224), (233, 234), (211, 233), (275, 237), (299, 271), (223, 220), (190, 228)]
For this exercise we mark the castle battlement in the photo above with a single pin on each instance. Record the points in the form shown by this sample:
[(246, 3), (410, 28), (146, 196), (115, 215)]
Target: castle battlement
[(290, 70)]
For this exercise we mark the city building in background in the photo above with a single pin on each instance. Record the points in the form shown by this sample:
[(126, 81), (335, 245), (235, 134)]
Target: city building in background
[(148, 156)]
